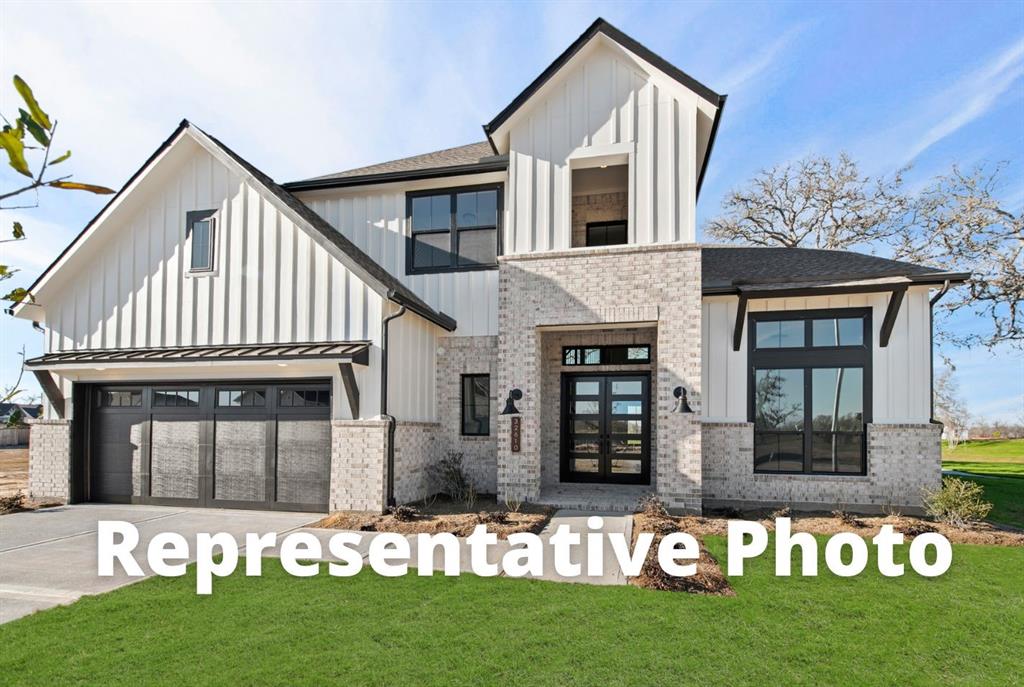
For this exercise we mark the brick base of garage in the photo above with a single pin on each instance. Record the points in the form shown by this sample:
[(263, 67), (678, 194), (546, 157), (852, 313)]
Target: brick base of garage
[(49, 459)]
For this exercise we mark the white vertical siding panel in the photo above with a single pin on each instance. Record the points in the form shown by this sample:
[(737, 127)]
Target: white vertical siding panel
[(156, 267)]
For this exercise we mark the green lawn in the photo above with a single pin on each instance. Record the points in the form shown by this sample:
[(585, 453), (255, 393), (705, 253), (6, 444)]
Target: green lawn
[(988, 450), (962, 628)]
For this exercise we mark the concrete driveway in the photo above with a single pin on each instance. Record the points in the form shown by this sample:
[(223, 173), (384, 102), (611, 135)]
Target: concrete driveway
[(48, 556)]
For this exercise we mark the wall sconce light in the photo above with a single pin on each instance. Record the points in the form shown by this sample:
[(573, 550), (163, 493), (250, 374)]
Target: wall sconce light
[(682, 405), (510, 405)]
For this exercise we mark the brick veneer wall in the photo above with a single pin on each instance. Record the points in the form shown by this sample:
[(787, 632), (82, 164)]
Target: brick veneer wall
[(596, 207), (358, 464), (416, 449), (49, 459), (551, 392), (621, 284), (456, 356), (902, 460)]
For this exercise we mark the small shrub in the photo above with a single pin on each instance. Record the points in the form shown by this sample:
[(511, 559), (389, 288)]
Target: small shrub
[(403, 513), (847, 518), (448, 476), (513, 504), (957, 502), (470, 497), (652, 506), (13, 503), (784, 512)]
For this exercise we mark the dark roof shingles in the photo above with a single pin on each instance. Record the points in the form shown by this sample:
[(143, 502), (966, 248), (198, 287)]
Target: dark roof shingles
[(471, 154), (726, 266)]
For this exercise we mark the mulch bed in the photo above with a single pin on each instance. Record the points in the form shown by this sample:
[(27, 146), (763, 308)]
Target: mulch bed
[(444, 515), (864, 525), (709, 579)]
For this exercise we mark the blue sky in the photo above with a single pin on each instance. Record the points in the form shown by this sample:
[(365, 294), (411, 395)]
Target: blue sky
[(302, 89)]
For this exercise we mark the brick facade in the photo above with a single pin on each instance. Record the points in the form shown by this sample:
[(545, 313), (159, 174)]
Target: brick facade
[(660, 284), (902, 460), (416, 449), (358, 464), (456, 356), (49, 459), (596, 207)]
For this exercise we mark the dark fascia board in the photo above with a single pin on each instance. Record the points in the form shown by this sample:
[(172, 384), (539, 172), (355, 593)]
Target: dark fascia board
[(600, 26), (440, 319), (758, 291), (391, 177), (711, 143), (184, 124)]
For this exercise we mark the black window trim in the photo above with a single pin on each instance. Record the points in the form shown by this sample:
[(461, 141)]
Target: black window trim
[(462, 404), (603, 348), (605, 223), (807, 358), (453, 229), (191, 217)]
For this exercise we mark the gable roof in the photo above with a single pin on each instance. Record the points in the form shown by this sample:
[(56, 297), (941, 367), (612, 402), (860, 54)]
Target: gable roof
[(600, 26), (468, 159), (355, 259), (734, 269)]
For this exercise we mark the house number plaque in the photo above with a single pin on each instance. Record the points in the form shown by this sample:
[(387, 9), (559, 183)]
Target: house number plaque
[(517, 430)]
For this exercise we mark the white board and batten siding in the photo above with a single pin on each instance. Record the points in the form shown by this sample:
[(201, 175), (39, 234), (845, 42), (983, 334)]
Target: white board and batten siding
[(901, 376), (603, 104), (130, 286)]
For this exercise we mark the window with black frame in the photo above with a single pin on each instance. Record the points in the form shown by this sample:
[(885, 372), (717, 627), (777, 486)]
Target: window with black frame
[(454, 229), (476, 405), (810, 395)]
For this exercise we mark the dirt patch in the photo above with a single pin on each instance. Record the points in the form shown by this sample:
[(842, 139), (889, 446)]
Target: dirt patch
[(863, 525), (709, 579), (443, 515), (13, 471)]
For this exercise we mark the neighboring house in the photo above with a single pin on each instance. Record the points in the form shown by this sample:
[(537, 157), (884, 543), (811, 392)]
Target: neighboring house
[(215, 338), (23, 411)]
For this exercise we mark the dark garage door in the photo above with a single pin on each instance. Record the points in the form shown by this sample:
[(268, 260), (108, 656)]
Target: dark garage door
[(230, 445)]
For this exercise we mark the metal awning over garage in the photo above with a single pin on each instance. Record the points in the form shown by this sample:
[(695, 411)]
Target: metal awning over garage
[(345, 351)]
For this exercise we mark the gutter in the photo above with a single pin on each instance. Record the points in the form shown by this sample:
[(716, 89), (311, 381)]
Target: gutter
[(385, 327), (443, 321), (390, 177)]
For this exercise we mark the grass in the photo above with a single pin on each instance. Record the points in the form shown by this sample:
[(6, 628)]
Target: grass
[(961, 628), (986, 450), (1007, 497)]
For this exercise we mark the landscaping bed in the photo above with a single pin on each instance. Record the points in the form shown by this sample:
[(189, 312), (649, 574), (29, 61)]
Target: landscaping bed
[(709, 578), (445, 515)]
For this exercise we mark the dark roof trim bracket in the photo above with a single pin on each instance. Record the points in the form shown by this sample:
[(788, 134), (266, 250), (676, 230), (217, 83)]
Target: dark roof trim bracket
[(52, 391), (741, 315), (348, 380), (891, 312)]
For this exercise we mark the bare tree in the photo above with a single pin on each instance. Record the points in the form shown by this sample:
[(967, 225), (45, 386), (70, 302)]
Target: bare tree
[(956, 223), (816, 202), (949, 409)]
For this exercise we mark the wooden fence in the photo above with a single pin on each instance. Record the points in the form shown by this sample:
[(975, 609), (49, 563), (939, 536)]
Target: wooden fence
[(14, 436)]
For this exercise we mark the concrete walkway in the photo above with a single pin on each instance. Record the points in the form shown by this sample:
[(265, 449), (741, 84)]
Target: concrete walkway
[(48, 557)]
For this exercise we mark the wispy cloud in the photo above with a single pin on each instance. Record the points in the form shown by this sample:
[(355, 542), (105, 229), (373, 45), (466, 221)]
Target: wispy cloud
[(934, 118), (759, 63)]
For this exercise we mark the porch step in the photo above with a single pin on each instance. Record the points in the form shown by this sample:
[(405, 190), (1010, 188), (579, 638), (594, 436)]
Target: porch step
[(594, 497)]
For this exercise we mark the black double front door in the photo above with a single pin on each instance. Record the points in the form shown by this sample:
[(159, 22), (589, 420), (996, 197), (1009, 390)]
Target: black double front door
[(606, 432)]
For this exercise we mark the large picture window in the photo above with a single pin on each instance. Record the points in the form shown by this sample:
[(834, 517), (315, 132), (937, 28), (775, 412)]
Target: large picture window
[(810, 395), (454, 229)]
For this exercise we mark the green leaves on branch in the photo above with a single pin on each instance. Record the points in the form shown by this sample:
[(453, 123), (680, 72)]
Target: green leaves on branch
[(61, 159), (38, 115), (19, 231), (75, 186), (11, 141), (18, 295)]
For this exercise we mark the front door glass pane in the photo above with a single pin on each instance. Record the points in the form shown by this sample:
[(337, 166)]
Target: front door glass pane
[(628, 388)]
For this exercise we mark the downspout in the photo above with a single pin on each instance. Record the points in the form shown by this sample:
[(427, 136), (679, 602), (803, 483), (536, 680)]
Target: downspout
[(931, 348), (385, 326)]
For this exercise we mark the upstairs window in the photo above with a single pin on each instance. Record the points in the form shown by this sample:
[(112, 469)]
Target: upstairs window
[(200, 227), (454, 229), (606, 234)]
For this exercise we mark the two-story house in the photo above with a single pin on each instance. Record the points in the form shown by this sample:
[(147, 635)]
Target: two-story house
[(536, 301)]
